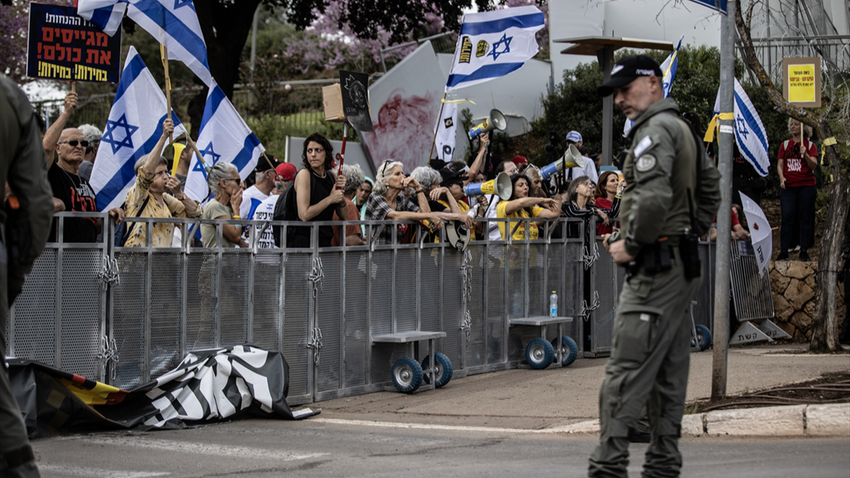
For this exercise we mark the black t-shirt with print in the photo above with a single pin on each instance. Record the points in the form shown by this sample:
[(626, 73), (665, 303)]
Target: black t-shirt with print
[(78, 196)]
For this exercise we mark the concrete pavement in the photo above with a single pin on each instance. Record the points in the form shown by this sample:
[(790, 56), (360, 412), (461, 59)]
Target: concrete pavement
[(565, 400)]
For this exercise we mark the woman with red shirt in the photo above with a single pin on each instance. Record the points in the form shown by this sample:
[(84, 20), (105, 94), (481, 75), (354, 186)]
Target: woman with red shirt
[(606, 194), (797, 193)]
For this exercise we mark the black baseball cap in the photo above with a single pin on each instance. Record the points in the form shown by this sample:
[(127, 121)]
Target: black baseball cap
[(264, 165), (451, 177), (627, 70)]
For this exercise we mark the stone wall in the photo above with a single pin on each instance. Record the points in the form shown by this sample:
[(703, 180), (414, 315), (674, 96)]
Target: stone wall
[(794, 287)]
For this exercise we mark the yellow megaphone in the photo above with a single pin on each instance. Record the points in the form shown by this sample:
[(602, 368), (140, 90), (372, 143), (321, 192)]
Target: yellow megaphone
[(571, 159), (501, 186), (496, 120)]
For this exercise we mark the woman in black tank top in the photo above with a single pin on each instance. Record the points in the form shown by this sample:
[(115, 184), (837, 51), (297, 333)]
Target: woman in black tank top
[(318, 191)]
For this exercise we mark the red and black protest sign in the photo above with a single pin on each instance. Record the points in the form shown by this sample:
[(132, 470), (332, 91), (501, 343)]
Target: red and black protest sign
[(64, 46)]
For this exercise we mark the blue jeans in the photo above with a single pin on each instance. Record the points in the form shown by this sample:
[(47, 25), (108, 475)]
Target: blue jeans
[(797, 205)]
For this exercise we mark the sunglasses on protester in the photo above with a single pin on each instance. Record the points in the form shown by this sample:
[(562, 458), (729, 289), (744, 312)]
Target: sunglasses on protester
[(74, 142)]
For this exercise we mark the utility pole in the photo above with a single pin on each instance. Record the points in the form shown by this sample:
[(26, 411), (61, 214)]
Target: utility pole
[(724, 215)]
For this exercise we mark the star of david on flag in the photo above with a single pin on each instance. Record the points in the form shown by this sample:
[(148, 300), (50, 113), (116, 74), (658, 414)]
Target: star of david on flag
[(133, 128), (176, 27), (224, 137), (493, 44), (119, 129), (750, 135)]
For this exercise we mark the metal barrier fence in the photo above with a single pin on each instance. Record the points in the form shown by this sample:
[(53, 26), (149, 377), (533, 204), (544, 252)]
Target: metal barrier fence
[(127, 315)]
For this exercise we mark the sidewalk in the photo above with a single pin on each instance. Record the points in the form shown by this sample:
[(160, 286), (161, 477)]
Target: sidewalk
[(565, 400)]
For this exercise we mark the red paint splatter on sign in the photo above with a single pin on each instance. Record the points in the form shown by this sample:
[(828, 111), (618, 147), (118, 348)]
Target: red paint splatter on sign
[(404, 130)]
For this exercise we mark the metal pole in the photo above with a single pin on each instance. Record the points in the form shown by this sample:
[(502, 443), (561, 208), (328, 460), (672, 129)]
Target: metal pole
[(724, 216), (606, 54)]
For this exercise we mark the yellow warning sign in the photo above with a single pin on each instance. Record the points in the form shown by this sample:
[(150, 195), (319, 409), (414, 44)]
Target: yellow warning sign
[(802, 81)]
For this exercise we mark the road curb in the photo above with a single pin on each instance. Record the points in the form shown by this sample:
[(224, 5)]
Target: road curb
[(793, 420)]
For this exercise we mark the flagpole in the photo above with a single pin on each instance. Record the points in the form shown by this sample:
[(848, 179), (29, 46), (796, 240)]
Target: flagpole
[(434, 139), (195, 149), (163, 52)]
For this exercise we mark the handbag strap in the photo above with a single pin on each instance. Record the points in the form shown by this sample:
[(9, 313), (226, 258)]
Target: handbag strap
[(138, 213)]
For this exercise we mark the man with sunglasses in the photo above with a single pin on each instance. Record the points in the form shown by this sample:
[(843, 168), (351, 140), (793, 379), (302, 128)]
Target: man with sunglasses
[(73, 193)]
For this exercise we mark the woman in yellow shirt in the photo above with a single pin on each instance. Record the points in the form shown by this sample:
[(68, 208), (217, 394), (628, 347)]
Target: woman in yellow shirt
[(521, 206)]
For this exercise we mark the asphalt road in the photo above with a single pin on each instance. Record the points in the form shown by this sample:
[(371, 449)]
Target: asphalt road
[(322, 447)]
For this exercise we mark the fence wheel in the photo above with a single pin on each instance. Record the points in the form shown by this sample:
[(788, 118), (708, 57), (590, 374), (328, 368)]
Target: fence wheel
[(703, 337), (442, 370), (539, 353), (407, 375), (568, 348)]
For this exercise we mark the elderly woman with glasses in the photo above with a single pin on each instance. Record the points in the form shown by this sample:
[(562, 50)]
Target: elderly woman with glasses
[(223, 179), (388, 202), (148, 197), (318, 192)]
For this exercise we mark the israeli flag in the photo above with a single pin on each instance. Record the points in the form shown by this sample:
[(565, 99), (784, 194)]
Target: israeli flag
[(106, 14), (133, 128), (668, 68), (224, 137), (493, 44), (750, 134), (173, 23)]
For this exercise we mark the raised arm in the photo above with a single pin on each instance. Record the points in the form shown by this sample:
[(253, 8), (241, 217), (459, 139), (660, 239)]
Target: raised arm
[(51, 136), (475, 168), (153, 158)]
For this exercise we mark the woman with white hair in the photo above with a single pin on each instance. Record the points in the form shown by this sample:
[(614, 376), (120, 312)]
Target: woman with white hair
[(148, 198), (92, 135), (353, 179), (440, 199), (387, 201), (223, 179)]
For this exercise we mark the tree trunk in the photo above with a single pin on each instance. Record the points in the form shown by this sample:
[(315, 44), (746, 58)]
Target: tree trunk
[(824, 322), (225, 26)]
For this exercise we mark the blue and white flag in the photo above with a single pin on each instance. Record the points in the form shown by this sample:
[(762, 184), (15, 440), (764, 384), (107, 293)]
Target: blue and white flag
[(133, 128), (224, 137), (493, 44), (668, 68), (106, 14), (173, 23), (750, 135)]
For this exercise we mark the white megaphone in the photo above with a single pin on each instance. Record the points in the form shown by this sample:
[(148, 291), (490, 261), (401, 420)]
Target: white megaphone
[(501, 186), (495, 121), (571, 159)]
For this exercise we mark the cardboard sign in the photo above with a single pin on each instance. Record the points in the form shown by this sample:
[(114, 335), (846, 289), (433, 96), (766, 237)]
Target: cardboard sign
[(63, 46), (802, 81)]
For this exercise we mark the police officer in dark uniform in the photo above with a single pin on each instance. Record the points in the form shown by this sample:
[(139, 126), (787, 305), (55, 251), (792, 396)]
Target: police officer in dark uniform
[(671, 196), (29, 211)]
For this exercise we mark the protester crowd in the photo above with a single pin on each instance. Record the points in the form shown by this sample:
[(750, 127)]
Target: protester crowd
[(432, 195)]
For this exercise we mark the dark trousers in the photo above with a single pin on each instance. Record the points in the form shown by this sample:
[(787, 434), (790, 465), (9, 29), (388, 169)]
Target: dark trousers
[(798, 205)]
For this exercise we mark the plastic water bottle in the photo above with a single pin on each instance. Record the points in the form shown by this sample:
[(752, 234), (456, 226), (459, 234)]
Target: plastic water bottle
[(553, 304)]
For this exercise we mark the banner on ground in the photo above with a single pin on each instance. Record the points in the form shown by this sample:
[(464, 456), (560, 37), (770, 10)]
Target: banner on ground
[(173, 23), (224, 137), (63, 46), (493, 44), (207, 386), (133, 128)]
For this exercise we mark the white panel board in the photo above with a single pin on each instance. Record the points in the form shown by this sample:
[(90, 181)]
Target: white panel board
[(405, 103)]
